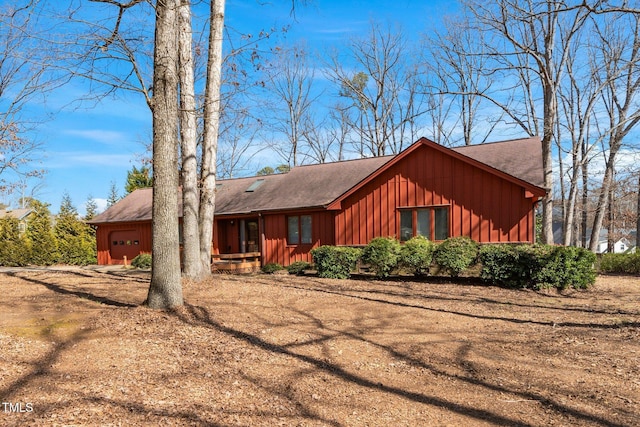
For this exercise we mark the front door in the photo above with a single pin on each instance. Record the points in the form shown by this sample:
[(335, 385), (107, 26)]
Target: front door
[(252, 236)]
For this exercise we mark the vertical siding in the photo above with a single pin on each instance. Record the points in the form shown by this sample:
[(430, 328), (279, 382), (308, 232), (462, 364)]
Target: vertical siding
[(275, 248), (481, 205)]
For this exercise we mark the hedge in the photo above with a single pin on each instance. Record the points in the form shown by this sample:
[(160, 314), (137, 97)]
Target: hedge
[(537, 266)]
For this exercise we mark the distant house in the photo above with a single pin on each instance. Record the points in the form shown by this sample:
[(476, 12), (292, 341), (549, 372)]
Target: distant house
[(22, 215), (487, 192)]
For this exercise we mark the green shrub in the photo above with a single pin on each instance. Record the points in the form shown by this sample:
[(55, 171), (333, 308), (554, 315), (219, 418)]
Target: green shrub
[(456, 254), (416, 255), (537, 266), (382, 254), (272, 267), (298, 267), (335, 262), (142, 261), (620, 263)]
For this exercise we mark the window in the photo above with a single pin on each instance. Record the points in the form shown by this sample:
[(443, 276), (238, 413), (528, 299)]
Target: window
[(430, 222), (299, 230)]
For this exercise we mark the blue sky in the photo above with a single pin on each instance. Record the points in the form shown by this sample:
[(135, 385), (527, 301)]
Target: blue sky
[(86, 149)]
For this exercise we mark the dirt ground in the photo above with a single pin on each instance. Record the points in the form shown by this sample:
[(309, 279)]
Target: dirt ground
[(77, 349)]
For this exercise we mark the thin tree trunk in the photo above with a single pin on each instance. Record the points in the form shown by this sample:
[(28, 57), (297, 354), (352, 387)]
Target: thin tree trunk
[(165, 290), (603, 200), (192, 267), (211, 127), (638, 215)]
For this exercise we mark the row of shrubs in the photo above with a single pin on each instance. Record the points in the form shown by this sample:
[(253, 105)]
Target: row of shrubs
[(628, 263), (521, 266)]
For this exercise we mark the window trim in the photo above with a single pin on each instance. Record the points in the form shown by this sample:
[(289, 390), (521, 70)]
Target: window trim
[(301, 234), (432, 209)]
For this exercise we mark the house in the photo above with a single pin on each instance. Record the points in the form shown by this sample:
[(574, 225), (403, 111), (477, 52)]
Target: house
[(22, 215), (487, 192)]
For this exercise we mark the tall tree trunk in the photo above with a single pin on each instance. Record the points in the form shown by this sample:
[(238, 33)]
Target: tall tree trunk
[(211, 127), (638, 216), (585, 200), (165, 290), (192, 267), (603, 200)]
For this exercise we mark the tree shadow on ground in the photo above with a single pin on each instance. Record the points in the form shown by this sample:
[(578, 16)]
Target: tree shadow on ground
[(200, 316), (80, 294)]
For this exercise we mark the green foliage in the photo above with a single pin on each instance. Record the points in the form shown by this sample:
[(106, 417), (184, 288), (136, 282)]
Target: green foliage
[(537, 266), (272, 268), (14, 248), (138, 178), (113, 197), (42, 242), (620, 263), (75, 240), (456, 254), (142, 261), (382, 254), (298, 267), (91, 207), (416, 255), (335, 262)]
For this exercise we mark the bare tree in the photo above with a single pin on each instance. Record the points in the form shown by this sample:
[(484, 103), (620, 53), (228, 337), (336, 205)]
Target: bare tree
[(25, 77), (455, 64), (389, 103), (533, 38), (620, 56), (165, 289), (291, 81)]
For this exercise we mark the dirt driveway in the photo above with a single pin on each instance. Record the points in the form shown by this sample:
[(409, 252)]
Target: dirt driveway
[(76, 349)]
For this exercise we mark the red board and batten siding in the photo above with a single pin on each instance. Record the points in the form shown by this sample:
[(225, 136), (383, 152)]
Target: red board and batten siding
[(274, 244), (483, 206), (142, 231)]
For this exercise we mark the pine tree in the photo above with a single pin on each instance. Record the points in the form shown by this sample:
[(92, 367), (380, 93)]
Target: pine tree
[(138, 178), (14, 248), (76, 242), (44, 250), (91, 207), (113, 195)]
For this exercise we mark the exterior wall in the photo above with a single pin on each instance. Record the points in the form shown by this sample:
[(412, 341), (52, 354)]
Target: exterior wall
[(481, 205), (104, 242), (274, 243)]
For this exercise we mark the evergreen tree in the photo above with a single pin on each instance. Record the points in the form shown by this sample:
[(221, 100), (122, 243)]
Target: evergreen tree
[(91, 207), (42, 242), (76, 240), (14, 248), (113, 195), (138, 178)]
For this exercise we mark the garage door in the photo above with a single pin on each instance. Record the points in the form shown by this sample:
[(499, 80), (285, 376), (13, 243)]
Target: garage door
[(124, 243)]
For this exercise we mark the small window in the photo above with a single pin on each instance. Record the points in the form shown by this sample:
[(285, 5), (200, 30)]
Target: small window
[(299, 230), (293, 237), (423, 223), (406, 225), (441, 223)]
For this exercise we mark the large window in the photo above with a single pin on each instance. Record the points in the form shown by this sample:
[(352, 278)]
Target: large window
[(430, 222), (299, 230)]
